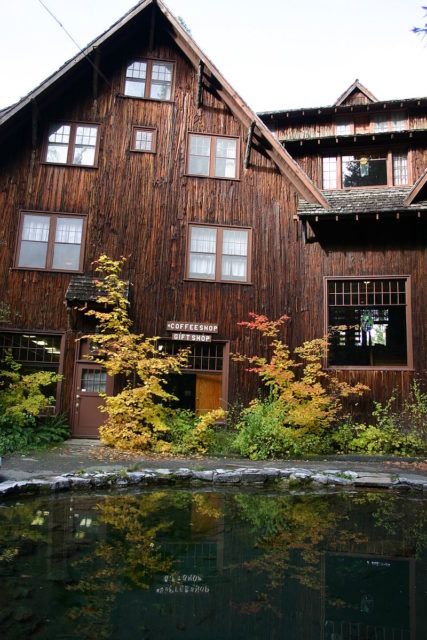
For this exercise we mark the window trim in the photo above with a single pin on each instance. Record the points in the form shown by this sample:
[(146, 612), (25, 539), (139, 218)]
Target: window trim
[(218, 254), (408, 316), (212, 157), (388, 154), (44, 332), (137, 127), (148, 79), (51, 240), (71, 144)]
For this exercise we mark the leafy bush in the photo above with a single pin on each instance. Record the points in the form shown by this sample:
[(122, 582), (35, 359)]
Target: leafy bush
[(263, 433), (190, 435), (395, 432), (305, 400), (32, 434), (24, 395), (136, 416), (23, 399)]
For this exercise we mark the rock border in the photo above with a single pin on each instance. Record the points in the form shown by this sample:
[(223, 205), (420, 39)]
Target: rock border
[(291, 478)]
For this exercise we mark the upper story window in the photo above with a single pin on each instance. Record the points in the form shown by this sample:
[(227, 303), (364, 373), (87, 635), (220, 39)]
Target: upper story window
[(344, 128), (149, 79), (144, 139), (51, 242), (219, 254), (365, 170), (213, 156), (394, 121), (369, 322), (73, 143)]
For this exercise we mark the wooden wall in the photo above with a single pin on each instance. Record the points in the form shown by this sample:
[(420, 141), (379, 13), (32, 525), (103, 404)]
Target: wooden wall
[(139, 205)]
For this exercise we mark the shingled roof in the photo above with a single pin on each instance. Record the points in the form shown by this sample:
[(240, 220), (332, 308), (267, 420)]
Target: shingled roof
[(349, 202), (85, 289)]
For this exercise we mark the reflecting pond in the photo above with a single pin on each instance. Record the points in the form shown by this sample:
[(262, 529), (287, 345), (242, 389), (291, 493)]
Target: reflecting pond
[(214, 564)]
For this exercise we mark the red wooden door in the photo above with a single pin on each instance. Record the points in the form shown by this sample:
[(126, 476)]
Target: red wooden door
[(91, 380)]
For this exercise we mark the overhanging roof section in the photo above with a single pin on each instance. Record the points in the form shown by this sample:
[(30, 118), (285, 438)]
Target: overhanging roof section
[(418, 190), (86, 289), (272, 147), (367, 203)]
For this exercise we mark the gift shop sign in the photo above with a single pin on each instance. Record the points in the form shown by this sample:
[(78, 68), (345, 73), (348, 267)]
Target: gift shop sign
[(191, 331)]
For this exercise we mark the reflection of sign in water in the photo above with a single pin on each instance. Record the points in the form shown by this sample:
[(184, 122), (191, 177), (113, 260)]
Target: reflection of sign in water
[(182, 583)]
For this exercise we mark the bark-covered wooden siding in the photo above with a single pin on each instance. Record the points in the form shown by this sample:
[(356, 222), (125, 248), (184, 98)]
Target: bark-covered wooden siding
[(139, 205)]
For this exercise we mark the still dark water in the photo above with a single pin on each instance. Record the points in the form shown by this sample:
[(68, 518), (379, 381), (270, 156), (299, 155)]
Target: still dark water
[(160, 565)]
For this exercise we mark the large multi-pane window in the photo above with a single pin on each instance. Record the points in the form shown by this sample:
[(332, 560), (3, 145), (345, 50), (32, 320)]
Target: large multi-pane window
[(149, 79), (213, 156), (394, 121), (50, 241), (363, 169), (368, 322), (219, 253), (72, 143)]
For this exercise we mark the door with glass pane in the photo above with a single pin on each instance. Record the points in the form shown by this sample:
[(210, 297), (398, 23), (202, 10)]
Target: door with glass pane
[(91, 381)]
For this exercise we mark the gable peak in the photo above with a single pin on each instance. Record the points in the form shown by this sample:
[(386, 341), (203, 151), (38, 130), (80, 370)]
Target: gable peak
[(355, 94)]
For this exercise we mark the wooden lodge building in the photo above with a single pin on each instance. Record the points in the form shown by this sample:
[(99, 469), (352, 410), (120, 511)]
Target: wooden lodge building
[(139, 147)]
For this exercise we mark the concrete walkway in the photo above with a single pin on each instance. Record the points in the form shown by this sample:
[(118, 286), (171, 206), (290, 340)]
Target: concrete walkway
[(77, 456)]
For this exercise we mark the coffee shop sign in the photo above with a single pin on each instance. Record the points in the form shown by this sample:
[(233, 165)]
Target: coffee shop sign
[(191, 331)]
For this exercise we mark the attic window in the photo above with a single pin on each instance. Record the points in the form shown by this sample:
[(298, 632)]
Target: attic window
[(73, 144), (149, 79), (144, 139)]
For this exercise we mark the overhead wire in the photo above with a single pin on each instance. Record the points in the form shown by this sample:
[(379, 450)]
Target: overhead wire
[(95, 67)]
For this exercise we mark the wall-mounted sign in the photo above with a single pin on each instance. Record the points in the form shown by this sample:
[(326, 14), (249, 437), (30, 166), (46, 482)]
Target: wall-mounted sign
[(192, 337), (192, 327)]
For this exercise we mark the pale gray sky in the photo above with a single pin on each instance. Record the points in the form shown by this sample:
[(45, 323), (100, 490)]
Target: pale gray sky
[(277, 54)]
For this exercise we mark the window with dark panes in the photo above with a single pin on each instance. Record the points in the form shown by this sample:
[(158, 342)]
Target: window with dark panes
[(219, 253), (72, 143), (149, 79), (94, 381), (368, 322), (34, 352), (212, 156), (50, 242), (364, 171)]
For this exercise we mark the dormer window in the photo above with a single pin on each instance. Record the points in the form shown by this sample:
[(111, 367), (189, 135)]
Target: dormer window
[(149, 79)]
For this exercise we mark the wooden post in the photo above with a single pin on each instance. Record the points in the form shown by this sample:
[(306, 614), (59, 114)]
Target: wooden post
[(249, 143), (200, 83), (304, 231)]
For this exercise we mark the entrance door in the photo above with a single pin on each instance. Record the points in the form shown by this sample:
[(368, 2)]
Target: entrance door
[(91, 380), (208, 392)]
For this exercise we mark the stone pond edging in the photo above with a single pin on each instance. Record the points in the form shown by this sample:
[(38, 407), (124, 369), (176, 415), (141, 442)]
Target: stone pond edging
[(291, 478)]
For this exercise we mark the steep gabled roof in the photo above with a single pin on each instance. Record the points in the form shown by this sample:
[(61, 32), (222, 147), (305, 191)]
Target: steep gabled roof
[(416, 189), (263, 136), (356, 87)]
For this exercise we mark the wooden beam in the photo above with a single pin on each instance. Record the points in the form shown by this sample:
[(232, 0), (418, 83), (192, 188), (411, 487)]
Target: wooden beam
[(200, 83), (249, 143), (304, 231)]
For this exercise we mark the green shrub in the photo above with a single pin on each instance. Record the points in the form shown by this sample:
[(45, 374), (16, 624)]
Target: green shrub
[(191, 435), (32, 434), (263, 433)]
